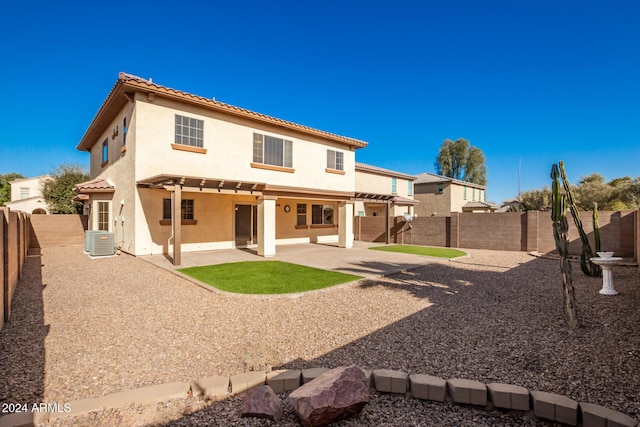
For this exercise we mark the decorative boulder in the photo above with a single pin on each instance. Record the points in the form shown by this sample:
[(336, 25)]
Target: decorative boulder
[(337, 394), (262, 402)]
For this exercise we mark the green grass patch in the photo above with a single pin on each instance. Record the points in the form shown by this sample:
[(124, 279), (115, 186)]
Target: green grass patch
[(266, 277), (421, 250)]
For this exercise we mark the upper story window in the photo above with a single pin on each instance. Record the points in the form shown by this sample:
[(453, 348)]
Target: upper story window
[(440, 188), (335, 160), (124, 131), (464, 193), (410, 188), (394, 185), (189, 131), (473, 194), (270, 150), (105, 152), (24, 192)]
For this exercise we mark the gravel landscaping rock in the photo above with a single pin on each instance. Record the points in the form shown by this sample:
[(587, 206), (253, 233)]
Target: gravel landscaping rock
[(86, 328)]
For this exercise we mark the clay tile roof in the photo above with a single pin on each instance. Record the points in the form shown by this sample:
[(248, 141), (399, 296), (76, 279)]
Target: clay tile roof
[(98, 185), (432, 178), (363, 167), (399, 200), (130, 83), (479, 204)]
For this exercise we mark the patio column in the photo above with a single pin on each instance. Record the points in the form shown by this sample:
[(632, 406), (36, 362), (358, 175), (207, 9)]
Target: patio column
[(267, 226), (176, 223), (345, 224), (387, 231)]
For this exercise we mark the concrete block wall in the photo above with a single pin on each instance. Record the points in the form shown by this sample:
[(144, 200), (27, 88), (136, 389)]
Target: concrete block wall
[(512, 231), (514, 399), (14, 243), (57, 230), (502, 231)]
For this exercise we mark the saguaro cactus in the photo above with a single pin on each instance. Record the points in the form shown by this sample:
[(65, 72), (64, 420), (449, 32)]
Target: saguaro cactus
[(596, 227), (560, 233), (588, 268)]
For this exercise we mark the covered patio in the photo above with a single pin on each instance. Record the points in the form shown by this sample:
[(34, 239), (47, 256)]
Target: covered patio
[(268, 220)]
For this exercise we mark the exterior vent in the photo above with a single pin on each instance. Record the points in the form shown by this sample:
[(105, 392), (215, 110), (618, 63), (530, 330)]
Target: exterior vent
[(102, 245), (89, 238)]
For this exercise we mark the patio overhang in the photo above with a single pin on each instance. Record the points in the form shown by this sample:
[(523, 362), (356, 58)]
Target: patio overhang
[(201, 184), (374, 197)]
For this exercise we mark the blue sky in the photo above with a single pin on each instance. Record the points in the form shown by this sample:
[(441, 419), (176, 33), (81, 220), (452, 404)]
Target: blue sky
[(528, 82)]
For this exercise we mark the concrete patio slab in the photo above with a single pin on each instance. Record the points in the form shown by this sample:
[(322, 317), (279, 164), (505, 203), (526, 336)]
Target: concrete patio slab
[(358, 260)]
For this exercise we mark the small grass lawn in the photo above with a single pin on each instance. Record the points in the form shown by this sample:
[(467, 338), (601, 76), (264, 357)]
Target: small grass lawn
[(421, 250), (266, 277)]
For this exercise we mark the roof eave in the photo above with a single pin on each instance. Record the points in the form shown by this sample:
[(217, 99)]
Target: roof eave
[(117, 99)]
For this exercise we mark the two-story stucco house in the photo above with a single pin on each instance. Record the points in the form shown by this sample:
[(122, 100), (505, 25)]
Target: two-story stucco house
[(172, 172), (440, 195), (26, 195), (383, 192)]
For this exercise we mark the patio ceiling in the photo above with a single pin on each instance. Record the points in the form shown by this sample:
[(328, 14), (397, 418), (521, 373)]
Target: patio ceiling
[(202, 184)]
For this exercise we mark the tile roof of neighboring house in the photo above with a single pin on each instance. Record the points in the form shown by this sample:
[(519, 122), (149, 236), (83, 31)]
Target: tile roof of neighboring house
[(399, 200), (128, 84), (432, 178), (363, 167), (41, 177), (98, 185), (479, 205)]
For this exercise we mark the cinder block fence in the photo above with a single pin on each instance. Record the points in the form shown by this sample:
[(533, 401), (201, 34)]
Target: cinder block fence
[(14, 245), (509, 231)]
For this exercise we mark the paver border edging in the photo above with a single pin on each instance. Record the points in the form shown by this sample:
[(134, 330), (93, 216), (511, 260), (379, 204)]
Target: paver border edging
[(505, 397)]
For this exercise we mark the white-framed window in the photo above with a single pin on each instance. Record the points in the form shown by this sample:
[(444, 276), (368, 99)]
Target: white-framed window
[(473, 194), (321, 214), (271, 150), (189, 131), (440, 188), (394, 185), (301, 214), (335, 160), (186, 209), (464, 194), (24, 192), (410, 188), (103, 216)]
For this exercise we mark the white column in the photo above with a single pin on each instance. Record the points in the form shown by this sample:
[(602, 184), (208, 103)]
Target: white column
[(345, 224), (176, 223), (267, 227)]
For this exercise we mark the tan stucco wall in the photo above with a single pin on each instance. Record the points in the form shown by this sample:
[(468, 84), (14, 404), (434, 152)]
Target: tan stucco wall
[(450, 200), (121, 172), (367, 182), (215, 216), (379, 209), (229, 145), (431, 201)]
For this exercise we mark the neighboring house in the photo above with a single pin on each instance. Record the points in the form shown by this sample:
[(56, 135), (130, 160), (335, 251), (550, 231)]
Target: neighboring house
[(378, 189), (26, 195), (172, 172), (511, 205), (440, 195)]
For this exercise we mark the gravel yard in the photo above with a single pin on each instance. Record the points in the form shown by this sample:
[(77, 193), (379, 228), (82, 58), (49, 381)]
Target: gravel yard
[(84, 328)]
